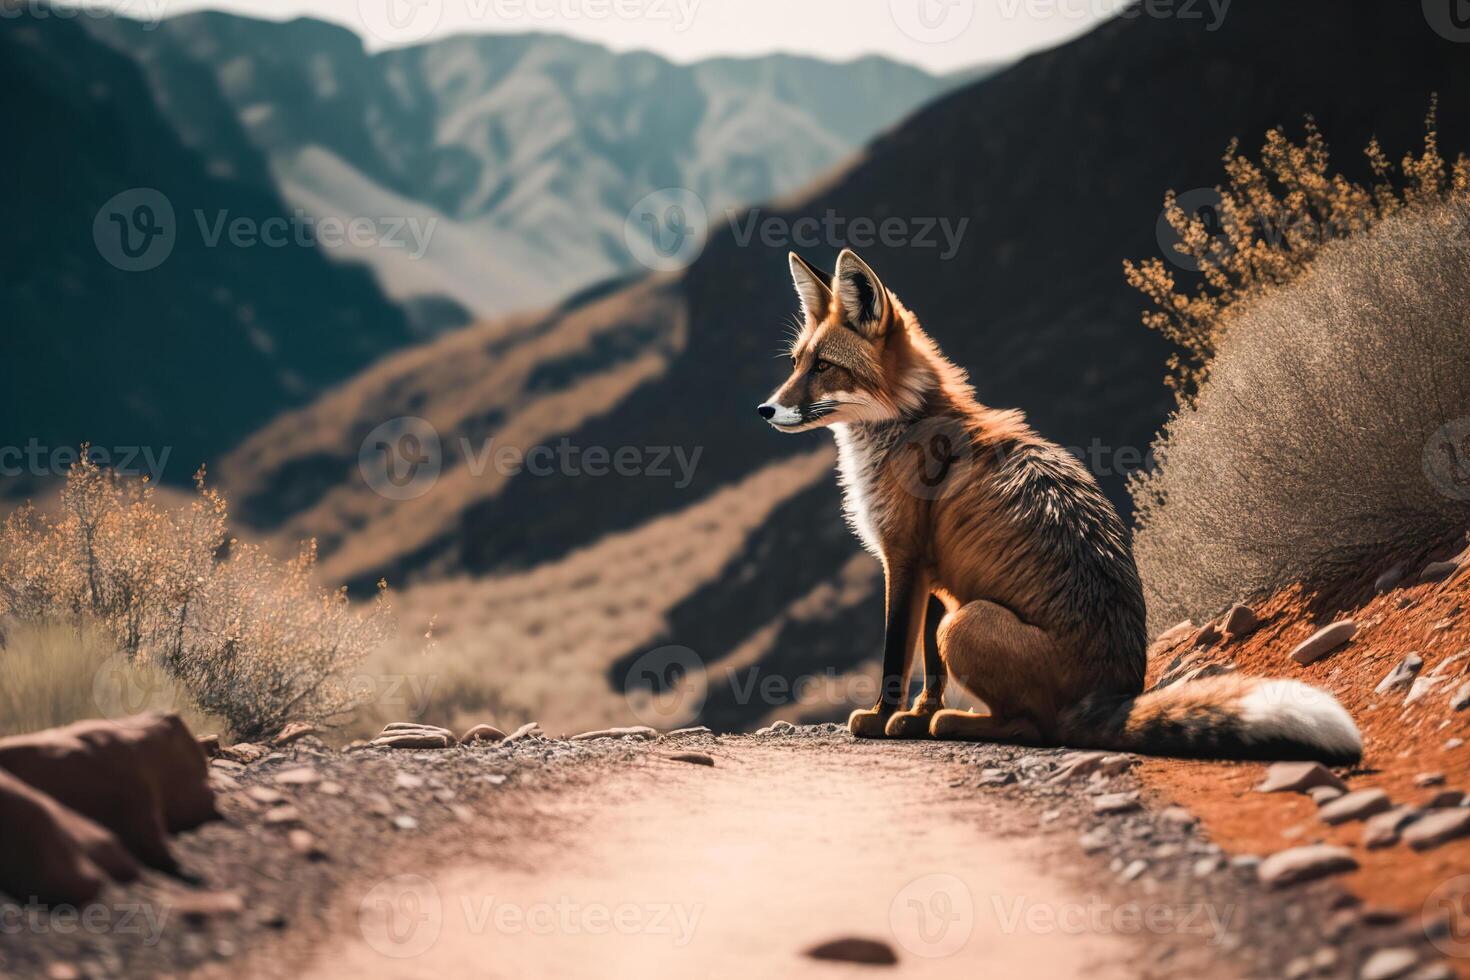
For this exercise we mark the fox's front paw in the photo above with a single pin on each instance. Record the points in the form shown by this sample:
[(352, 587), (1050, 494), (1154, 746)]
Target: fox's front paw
[(909, 724), (867, 723)]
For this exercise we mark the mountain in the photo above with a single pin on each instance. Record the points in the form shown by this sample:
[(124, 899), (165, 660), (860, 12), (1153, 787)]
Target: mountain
[(528, 152), (1058, 163), (127, 321)]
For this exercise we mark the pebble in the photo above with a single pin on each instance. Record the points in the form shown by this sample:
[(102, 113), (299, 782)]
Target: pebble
[(995, 777), (1324, 794), (693, 758), (1325, 960), (1434, 829), (404, 739), (1383, 829), (299, 776), (1306, 863), (527, 730), (854, 949), (407, 780), (294, 732), (1207, 866), (1429, 779), (1402, 675), (1297, 777), (404, 822), (1177, 816), (1241, 620), (1357, 805), (1437, 570), (283, 815), (266, 795), (1133, 870), (1386, 964), (687, 732), (1460, 700), (1077, 765), (1096, 839), (330, 787), (303, 842), (1445, 798), (1113, 803), (482, 733), (631, 731), (1388, 580), (1324, 641)]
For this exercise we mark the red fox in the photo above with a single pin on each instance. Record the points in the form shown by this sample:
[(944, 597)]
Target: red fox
[(1044, 611)]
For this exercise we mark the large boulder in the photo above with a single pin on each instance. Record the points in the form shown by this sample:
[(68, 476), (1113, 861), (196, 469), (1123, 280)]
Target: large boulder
[(53, 854), (141, 778)]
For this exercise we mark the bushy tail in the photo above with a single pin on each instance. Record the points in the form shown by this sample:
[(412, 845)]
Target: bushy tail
[(1222, 717)]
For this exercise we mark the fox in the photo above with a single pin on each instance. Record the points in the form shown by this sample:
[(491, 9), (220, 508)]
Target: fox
[(1044, 615)]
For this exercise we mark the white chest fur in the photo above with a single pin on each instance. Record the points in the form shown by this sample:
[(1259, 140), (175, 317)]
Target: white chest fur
[(861, 451)]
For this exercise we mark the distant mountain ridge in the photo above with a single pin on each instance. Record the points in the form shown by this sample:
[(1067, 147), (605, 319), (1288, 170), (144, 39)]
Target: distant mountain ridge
[(528, 150)]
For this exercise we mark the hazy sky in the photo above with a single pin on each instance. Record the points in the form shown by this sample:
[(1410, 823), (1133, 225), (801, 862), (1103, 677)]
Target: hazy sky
[(938, 34)]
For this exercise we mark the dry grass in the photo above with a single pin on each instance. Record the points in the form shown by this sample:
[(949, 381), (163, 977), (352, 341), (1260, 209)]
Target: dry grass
[(248, 638), (57, 673), (1334, 425), (1275, 218)]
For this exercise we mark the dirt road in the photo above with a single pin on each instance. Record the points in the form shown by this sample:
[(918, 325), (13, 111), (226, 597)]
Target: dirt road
[(677, 870)]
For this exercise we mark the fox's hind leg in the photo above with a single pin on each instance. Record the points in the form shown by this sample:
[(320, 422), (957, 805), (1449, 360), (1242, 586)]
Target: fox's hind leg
[(914, 723), (1008, 664)]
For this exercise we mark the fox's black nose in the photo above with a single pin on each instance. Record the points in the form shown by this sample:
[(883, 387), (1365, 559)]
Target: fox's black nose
[(766, 411)]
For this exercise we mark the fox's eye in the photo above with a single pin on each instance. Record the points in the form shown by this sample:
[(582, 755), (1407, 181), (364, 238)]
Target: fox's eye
[(820, 366)]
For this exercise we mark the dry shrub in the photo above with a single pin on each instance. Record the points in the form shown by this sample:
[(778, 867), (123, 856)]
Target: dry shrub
[(249, 638), (1334, 425), (1274, 218)]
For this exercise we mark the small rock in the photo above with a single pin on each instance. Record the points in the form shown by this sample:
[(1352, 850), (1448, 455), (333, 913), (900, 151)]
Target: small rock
[(413, 740), (329, 787), (1305, 863), (223, 783), (1437, 570), (1298, 968), (996, 777), (1357, 805), (1324, 794), (1173, 635), (61, 970), (1453, 743), (294, 732), (1429, 779), (1095, 840), (299, 776), (1077, 765), (693, 758), (631, 731), (1434, 971), (691, 731), (245, 752), (303, 842), (1423, 687), (1402, 675), (1434, 829), (482, 733), (1240, 621), (1386, 964), (1445, 798), (1324, 641), (782, 727), (404, 822), (1134, 870), (266, 795), (1325, 960), (1208, 634), (526, 731), (1460, 700), (209, 743), (854, 949), (462, 813), (1383, 829), (413, 726), (1389, 580), (282, 815), (1112, 803), (1177, 816), (200, 906), (1297, 777), (1207, 866), (1115, 765), (1379, 915), (407, 780)]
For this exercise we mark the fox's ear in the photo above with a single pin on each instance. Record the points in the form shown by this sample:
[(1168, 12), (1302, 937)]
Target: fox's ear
[(811, 287), (863, 298)]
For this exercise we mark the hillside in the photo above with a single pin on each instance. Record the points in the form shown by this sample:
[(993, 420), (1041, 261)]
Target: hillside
[(527, 150), (1033, 303), (191, 354)]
